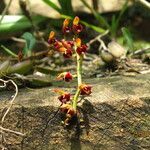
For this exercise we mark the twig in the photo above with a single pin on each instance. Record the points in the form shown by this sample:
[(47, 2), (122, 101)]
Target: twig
[(5, 10), (145, 3), (141, 51), (98, 38), (11, 131), (11, 102), (2, 129), (24, 41)]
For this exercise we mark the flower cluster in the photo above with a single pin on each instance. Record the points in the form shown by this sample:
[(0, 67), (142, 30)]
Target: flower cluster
[(66, 47), (70, 48)]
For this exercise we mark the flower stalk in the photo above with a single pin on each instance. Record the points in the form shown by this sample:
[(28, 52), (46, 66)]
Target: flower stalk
[(79, 79)]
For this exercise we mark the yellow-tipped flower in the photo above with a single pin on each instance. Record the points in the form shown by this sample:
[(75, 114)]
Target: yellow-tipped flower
[(51, 39), (66, 23), (77, 28), (76, 20), (66, 29), (78, 42)]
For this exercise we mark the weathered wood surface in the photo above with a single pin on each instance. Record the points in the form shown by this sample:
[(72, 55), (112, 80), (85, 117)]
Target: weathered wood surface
[(116, 117)]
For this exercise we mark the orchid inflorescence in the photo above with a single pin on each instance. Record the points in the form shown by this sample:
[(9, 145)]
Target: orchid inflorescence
[(69, 49)]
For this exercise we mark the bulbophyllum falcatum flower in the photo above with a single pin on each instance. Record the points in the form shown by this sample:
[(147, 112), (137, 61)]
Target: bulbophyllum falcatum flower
[(85, 89), (66, 76), (64, 96), (52, 39), (77, 28), (68, 109), (66, 29), (64, 47), (81, 48)]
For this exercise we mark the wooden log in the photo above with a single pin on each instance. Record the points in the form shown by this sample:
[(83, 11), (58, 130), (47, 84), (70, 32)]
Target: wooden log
[(115, 117)]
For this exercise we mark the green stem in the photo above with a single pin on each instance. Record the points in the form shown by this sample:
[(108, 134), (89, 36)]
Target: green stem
[(79, 79), (9, 51)]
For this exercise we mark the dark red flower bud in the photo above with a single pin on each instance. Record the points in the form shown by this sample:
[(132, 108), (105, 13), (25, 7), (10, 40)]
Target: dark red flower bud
[(66, 29), (68, 109), (64, 98), (67, 53), (57, 45), (77, 28), (68, 76), (71, 43), (81, 49), (85, 89), (66, 44)]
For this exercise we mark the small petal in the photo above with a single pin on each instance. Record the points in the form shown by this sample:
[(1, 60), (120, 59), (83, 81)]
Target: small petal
[(64, 98), (62, 50), (77, 28), (57, 45), (76, 20), (78, 42), (85, 89), (68, 53), (82, 49), (66, 76), (59, 91), (66, 22), (71, 43), (51, 35), (66, 30), (51, 38), (68, 109), (66, 44)]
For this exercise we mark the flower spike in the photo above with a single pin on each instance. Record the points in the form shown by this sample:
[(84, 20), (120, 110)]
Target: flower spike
[(70, 48)]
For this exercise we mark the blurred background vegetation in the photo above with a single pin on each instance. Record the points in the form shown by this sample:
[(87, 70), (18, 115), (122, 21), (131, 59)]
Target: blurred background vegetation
[(25, 26)]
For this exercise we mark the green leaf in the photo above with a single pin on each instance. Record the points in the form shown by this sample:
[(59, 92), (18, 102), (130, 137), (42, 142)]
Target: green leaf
[(101, 20), (9, 51), (21, 67), (66, 7), (121, 13), (113, 26), (116, 20), (128, 38), (30, 42), (17, 23), (53, 5)]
